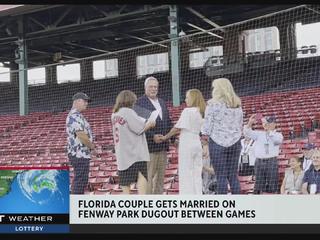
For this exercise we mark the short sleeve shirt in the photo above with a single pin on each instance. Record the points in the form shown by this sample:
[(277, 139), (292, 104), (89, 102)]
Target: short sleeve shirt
[(190, 120), (76, 122), (129, 139)]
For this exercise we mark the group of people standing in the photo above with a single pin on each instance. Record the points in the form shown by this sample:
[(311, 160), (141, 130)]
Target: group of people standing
[(213, 129), (149, 145), (207, 131), (140, 150)]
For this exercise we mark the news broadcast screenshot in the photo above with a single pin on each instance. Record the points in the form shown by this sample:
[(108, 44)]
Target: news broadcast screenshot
[(168, 118)]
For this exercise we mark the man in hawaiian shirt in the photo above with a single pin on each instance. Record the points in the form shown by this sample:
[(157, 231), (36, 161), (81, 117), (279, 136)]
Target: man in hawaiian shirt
[(80, 142)]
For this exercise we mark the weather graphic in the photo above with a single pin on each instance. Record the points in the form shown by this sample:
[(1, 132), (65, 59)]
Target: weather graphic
[(34, 197)]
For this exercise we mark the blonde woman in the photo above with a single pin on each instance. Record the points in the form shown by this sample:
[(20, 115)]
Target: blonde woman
[(223, 124), (130, 142), (190, 149)]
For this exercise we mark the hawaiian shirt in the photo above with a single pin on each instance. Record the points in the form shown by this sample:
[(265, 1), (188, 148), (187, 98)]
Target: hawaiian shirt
[(76, 122)]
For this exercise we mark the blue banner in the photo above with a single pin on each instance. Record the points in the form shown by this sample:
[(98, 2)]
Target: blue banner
[(35, 228)]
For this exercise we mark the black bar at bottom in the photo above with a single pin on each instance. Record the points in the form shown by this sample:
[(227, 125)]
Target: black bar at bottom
[(195, 228)]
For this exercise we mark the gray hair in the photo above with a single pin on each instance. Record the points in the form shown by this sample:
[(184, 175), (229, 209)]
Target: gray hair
[(148, 79)]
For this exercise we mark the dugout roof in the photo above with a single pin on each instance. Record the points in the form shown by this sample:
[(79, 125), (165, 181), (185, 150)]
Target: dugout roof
[(78, 31)]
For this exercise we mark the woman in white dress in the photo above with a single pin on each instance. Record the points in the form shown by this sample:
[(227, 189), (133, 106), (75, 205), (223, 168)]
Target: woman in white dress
[(190, 149)]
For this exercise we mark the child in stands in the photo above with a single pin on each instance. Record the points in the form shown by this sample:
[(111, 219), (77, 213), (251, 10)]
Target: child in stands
[(209, 180)]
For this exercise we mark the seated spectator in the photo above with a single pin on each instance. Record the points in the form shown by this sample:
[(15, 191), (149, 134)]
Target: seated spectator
[(247, 158), (266, 150), (292, 181), (311, 180), (307, 152)]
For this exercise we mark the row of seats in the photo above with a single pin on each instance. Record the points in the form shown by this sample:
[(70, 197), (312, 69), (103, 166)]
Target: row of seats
[(39, 139)]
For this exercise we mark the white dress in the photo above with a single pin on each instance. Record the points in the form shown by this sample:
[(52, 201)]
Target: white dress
[(190, 151)]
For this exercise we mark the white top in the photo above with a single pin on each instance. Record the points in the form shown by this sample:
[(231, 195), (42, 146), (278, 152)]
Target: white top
[(292, 183), (153, 117), (157, 106), (190, 151), (223, 124), (130, 143), (190, 120), (306, 164), (266, 145), (248, 148)]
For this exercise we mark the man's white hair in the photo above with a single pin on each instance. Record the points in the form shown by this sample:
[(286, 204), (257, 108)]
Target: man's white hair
[(148, 79)]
